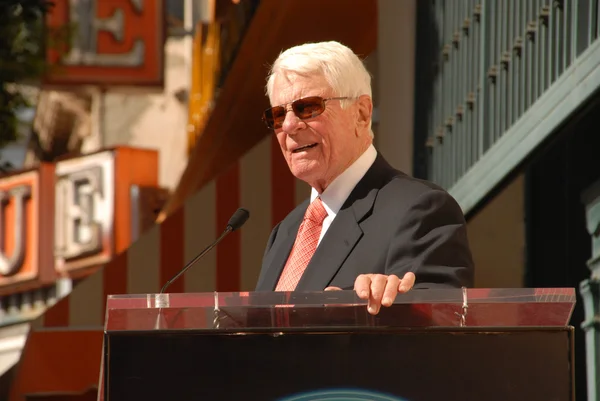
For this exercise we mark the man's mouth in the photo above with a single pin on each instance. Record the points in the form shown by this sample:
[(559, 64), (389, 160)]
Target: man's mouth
[(306, 147)]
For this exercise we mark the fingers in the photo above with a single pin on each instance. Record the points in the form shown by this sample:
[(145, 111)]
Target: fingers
[(408, 281), (332, 289), (362, 286), (378, 284), (381, 290), (391, 290)]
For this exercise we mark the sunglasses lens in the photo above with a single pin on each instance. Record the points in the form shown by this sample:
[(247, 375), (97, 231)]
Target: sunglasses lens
[(308, 107), (274, 117)]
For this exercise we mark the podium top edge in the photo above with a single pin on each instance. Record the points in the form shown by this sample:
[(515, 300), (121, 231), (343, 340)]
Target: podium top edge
[(466, 296)]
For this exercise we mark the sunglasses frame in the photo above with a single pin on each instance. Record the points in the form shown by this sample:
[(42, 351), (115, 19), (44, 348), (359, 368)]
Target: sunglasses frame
[(290, 107)]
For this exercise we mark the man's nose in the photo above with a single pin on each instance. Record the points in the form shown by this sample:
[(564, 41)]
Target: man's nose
[(292, 123)]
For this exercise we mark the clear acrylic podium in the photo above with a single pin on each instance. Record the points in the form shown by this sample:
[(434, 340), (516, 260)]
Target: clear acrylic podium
[(469, 344)]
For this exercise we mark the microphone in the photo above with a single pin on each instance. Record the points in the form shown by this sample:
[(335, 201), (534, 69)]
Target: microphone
[(236, 221)]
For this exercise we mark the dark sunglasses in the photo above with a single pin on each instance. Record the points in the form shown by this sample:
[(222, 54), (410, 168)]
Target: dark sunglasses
[(305, 108)]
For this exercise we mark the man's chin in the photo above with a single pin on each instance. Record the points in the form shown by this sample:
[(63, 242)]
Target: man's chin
[(305, 173)]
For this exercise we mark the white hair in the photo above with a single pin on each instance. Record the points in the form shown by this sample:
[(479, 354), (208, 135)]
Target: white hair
[(339, 65)]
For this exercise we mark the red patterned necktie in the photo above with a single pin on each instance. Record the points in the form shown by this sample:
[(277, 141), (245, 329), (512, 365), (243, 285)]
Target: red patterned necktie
[(304, 247)]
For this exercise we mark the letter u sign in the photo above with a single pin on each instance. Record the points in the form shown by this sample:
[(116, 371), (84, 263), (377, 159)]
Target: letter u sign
[(17, 197)]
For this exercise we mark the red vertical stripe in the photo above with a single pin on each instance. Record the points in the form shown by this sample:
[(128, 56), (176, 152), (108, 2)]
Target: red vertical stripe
[(171, 250), (283, 185), (58, 314), (229, 250)]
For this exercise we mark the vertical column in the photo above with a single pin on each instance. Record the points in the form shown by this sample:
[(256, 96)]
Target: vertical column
[(590, 292), (393, 91)]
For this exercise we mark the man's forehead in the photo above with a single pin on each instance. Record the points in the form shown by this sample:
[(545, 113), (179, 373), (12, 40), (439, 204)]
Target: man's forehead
[(289, 86)]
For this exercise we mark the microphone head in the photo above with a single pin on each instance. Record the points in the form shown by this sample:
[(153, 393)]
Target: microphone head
[(238, 219)]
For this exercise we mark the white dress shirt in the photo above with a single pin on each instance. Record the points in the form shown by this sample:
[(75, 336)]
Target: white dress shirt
[(338, 191)]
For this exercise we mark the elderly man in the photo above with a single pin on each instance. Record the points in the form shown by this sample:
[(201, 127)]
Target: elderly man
[(366, 226)]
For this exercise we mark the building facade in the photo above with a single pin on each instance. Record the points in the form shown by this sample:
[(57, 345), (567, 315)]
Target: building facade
[(495, 101)]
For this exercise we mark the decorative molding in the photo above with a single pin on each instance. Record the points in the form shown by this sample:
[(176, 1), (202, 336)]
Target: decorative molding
[(576, 86)]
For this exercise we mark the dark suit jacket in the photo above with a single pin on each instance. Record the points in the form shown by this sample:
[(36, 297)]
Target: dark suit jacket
[(390, 224)]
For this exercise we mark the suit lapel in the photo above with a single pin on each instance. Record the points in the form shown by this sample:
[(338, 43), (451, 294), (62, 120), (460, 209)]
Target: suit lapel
[(282, 247), (344, 232), (341, 237)]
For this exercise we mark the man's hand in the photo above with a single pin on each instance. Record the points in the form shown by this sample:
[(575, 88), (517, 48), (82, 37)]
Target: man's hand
[(380, 289)]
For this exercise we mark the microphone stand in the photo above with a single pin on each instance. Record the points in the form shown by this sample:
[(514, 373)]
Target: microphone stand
[(161, 300)]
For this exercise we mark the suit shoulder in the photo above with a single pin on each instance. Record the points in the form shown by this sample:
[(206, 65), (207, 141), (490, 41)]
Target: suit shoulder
[(410, 185), (391, 180), (404, 189)]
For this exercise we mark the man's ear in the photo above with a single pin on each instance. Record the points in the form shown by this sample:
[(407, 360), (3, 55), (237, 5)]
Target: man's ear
[(365, 111)]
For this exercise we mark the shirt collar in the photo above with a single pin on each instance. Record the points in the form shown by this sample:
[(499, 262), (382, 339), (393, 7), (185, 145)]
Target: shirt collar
[(338, 191)]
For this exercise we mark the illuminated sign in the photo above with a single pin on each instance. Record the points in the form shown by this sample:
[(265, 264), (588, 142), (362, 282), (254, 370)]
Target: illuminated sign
[(61, 219), (26, 203), (84, 211), (19, 197), (107, 43)]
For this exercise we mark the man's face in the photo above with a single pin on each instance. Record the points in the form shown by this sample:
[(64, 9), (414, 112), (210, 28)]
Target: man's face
[(317, 149)]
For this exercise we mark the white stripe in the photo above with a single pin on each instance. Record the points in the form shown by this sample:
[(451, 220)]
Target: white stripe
[(143, 263), (199, 232), (86, 301), (256, 187)]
